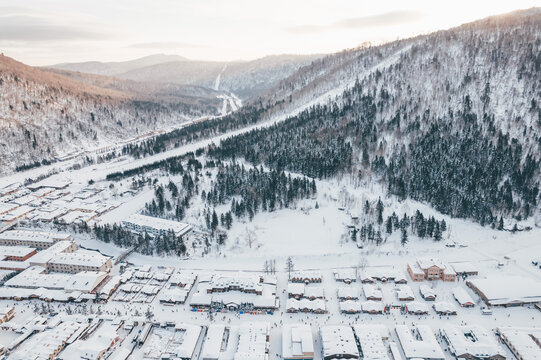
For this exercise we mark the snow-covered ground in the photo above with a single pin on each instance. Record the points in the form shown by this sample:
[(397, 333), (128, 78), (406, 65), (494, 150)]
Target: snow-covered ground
[(315, 237)]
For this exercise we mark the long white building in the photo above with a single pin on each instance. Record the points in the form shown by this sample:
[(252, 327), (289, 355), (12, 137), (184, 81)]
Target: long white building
[(253, 341), (35, 239), (155, 226), (297, 342), (74, 262)]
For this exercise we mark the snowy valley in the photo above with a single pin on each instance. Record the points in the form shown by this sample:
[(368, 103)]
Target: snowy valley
[(377, 203)]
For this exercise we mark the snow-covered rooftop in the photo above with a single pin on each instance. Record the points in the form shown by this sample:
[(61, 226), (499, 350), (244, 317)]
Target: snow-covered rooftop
[(462, 296), (371, 341), (36, 236), (472, 340), (419, 342), (339, 341), (297, 341), (158, 224), (212, 346), (43, 256), (80, 258), (253, 338), (36, 276), (501, 290), (522, 340)]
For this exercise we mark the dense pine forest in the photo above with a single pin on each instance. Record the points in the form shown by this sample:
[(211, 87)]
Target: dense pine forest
[(430, 125), (247, 191), (477, 172)]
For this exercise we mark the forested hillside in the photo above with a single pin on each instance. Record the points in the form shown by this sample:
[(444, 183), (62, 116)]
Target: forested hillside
[(455, 121), (44, 115)]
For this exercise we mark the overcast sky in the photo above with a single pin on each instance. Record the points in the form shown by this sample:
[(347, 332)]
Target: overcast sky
[(40, 32)]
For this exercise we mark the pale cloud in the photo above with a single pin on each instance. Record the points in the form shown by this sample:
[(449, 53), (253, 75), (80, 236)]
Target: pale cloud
[(165, 45), (31, 28), (391, 18)]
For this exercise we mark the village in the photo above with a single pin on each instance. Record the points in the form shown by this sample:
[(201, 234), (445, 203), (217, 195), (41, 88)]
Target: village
[(65, 297), (62, 301)]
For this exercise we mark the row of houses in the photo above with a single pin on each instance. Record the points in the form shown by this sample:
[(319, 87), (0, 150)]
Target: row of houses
[(316, 306), (50, 200), (236, 292), (31, 238)]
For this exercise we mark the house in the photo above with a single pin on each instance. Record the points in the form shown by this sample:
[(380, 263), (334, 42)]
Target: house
[(430, 269), (93, 347), (36, 239), (297, 342), (372, 307), (383, 274), (338, 342), (465, 269), (306, 277), (316, 306), (444, 308), (370, 338), (415, 272), (404, 293), (347, 293), (15, 257), (427, 293), (37, 277), (250, 284), (54, 182), (47, 344), (345, 275), (216, 335), (462, 297), (416, 308), (236, 292), (372, 292), (253, 341), (350, 307), (44, 256), (78, 261), (419, 342), (471, 342), (314, 292), (178, 344)]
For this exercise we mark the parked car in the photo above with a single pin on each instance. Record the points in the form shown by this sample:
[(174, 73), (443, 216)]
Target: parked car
[(486, 311)]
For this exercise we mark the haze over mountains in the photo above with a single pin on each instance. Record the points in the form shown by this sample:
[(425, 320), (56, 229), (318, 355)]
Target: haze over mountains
[(246, 79), (119, 67)]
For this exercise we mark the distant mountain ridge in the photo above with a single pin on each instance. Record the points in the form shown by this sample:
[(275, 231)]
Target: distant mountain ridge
[(117, 67), (246, 79)]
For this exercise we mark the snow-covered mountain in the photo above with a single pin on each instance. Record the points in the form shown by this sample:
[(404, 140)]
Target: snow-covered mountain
[(117, 67), (245, 79), (451, 118), (44, 115)]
